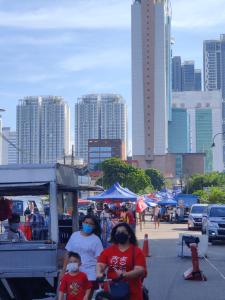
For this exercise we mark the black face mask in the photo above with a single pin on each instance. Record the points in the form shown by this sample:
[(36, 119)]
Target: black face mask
[(121, 238)]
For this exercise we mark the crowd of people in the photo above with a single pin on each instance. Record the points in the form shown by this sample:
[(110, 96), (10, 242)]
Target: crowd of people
[(86, 261)]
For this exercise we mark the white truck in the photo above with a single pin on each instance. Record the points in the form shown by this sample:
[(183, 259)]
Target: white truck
[(29, 269)]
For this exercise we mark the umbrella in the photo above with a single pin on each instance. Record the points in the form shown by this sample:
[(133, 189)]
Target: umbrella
[(168, 202)]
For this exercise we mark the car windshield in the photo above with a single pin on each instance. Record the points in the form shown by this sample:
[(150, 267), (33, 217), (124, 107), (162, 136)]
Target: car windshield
[(197, 209), (217, 212)]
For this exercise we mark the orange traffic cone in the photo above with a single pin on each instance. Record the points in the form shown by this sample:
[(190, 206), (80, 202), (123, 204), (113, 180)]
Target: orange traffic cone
[(194, 273), (146, 246)]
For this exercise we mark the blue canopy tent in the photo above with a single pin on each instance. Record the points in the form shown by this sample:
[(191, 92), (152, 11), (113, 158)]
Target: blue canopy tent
[(115, 192), (167, 202)]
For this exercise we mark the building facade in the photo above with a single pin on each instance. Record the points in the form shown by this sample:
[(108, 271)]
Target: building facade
[(102, 149), (188, 76), (151, 78), (1, 140), (198, 80), (99, 116), (43, 129), (200, 114), (212, 65), (9, 148), (176, 74)]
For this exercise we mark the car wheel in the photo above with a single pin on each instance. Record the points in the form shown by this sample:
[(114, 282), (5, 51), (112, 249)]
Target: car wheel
[(210, 240)]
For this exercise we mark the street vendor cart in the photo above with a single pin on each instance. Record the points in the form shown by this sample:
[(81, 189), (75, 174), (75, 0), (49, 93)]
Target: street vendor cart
[(29, 269)]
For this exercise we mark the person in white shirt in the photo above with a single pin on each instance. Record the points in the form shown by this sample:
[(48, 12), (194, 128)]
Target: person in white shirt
[(13, 233), (156, 213), (88, 245)]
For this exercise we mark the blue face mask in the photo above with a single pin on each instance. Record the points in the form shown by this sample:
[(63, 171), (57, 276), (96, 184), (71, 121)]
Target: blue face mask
[(88, 229)]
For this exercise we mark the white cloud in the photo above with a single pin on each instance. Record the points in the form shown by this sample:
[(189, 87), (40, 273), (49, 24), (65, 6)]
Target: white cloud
[(198, 14), (109, 58), (35, 41), (72, 14)]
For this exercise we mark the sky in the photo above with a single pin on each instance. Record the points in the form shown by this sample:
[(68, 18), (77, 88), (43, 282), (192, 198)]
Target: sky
[(73, 47)]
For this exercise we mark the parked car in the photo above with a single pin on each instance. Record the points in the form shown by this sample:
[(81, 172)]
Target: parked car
[(195, 216), (213, 222)]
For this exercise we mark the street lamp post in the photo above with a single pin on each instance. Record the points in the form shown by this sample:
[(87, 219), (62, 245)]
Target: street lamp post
[(213, 143)]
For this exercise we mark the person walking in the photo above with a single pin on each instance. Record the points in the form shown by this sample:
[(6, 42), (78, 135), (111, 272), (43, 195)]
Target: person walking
[(106, 225), (156, 214), (88, 245), (124, 260)]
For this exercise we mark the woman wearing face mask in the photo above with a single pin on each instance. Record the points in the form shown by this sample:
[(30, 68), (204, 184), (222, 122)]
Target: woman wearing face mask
[(124, 260), (88, 245)]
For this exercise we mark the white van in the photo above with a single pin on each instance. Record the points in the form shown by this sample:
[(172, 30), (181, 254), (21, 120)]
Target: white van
[(195, 216)]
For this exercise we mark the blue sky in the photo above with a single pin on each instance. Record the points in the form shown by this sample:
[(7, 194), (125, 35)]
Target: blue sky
[(73, 47)]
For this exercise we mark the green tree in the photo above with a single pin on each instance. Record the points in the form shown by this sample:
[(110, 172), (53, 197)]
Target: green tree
[(201, 181), (212, 195), (116, 170), (156, 178)]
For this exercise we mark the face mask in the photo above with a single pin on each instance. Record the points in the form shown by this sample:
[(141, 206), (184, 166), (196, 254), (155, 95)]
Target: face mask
[(72, 267), (121, 238), (87, 228), (15, 226)]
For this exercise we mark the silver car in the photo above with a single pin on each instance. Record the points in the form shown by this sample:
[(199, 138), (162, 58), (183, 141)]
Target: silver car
[(213, 222), (195, 216)]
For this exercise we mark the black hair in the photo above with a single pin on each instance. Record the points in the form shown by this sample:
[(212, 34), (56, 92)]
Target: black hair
[(14, 218), (103, 295), (75, 255), (97, 229), (132, 238)]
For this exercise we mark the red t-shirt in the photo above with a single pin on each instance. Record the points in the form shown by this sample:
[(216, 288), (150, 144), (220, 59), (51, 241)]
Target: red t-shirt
[(74, 286), (125, 261)]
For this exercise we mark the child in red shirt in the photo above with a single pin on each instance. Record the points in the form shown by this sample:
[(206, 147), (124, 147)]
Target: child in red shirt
[(74, 284)]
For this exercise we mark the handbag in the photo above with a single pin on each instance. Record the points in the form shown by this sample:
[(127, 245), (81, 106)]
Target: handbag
[(120, 290)]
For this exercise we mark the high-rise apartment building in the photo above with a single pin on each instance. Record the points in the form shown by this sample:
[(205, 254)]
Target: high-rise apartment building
[(188, 76), (151, 78), (212, 65), (55, 131), (9, 148), (176, 74), (43, 132), (99, 116)]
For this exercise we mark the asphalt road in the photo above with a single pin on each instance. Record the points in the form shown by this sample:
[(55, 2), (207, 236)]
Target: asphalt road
[(165, 269)]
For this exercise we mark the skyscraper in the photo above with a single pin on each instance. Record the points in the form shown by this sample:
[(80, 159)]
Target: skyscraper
[(212, 65), (198, 80), (188, 76), (9, 151), (42, 129), (151, 72), (99, 116), (214, 71), (55, 131), (176, 74), (29, 130)]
